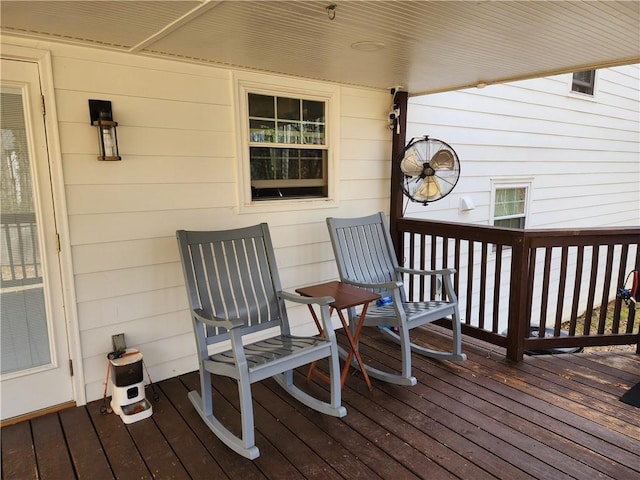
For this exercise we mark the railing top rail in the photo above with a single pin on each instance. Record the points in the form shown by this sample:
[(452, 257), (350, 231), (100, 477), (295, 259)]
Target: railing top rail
[(465, 231), (534, 237)]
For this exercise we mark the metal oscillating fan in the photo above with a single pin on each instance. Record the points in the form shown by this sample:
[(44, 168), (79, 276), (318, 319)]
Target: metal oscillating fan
[(430, 169)]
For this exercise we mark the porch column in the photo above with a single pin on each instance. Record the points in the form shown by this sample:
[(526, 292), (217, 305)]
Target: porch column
[(399, 137)]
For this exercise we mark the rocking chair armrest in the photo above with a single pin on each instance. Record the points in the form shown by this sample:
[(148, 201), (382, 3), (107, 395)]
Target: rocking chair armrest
[(292, 297), (228, 323), (411, 271), (383, 285)]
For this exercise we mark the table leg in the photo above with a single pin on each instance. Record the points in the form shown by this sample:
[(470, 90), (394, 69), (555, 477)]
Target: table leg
[(312, 368), (353, 343)]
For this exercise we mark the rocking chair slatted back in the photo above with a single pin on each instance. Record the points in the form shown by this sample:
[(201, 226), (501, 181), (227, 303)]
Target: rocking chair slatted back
[(231, 278), (364, 251)]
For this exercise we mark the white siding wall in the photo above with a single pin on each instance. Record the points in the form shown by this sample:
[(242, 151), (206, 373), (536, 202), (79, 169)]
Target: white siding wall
[(583, 153), (179, 168)]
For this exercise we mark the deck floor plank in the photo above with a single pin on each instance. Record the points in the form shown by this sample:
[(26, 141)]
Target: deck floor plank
[(620, 363), (85, 449), (385, 454), (176, 391), (343, 462), (120, 449), (158, 455), (536, 394), (308, 462), (271, 462), (521, 419), (597, 396), (524, 454), (586, 380), (193, 455), (487, 418), (18, 452), (565, 446), (422, 429), (591, 429), (53, 462)]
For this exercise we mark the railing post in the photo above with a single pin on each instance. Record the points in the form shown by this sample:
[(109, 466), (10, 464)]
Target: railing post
[(518, 308)]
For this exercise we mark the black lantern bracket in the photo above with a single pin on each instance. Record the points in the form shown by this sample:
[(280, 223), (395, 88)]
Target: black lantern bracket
[(102, 118)]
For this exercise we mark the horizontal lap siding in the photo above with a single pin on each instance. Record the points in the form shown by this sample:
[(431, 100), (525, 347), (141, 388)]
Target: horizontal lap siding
[(174, 124), (177, 139)]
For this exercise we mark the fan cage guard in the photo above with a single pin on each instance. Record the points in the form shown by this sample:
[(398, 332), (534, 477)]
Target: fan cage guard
[(430, 169)]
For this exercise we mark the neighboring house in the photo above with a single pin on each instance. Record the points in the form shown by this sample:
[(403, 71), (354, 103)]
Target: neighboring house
[(558, 152), (574, 156)]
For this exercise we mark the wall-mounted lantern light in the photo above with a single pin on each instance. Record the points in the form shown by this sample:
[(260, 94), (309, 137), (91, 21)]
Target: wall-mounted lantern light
[(102, 118)]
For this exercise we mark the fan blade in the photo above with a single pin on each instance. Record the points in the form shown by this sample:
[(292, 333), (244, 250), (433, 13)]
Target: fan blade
[(442, 159), (429, 190), (411, 165)]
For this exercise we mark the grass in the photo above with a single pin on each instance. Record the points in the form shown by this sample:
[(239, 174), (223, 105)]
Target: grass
[(608, 328)]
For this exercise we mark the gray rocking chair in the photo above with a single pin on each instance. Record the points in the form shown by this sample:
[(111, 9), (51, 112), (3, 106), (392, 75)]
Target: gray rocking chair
[(234, 292), (365, 258)]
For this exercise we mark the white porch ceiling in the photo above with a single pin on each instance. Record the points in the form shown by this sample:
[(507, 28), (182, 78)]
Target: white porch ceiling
[(429, 46)]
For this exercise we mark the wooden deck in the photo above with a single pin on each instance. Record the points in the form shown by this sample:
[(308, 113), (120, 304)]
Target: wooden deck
[(551, 417)]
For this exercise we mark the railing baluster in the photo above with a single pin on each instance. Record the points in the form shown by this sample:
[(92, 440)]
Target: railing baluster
[(622, 274), (456, 265), (23, 265), (412, 254), (632, 311), (37, 265), (12, 267), (470, 267), (561, 287), (604, 304), (576, 290), (530, 281), (483, 284), (496, 289), (592, 289), (545, 295), (434, 255)]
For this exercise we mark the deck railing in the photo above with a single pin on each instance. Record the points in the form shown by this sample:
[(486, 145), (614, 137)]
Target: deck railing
[(530, 290), (19, 250)]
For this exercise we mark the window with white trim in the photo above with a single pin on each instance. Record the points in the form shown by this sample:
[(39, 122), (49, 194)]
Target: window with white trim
[(584, 82), (287, 145), (510, 206)]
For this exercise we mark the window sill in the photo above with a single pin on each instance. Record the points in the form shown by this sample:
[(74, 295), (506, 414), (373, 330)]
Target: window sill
[(288, 205)]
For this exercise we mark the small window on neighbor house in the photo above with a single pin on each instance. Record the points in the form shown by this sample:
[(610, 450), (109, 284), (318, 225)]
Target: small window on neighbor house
[(584, 82), (510, 207), (288, 148)]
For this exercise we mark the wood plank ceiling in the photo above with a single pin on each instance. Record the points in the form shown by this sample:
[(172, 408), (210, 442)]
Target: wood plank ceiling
[(423, 46)]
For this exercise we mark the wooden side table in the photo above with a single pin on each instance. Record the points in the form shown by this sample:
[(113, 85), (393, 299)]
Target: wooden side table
[(345, 296)]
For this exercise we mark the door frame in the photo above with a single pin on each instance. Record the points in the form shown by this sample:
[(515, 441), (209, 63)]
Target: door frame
[(43, 59)]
